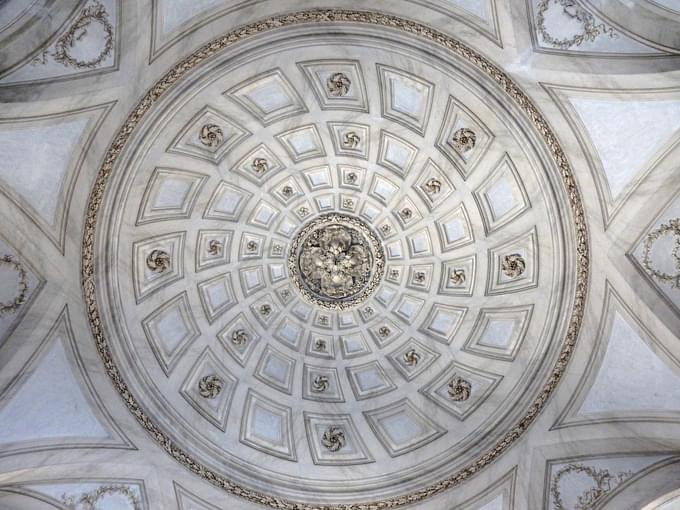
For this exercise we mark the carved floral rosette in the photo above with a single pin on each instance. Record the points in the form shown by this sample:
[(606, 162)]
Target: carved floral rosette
[(312, 278)]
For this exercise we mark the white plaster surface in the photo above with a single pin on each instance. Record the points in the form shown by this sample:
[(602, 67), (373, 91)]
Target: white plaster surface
[(480, 8), (50, 403), (494, 504), (36, 158), (626, 133), (632, 377), (176, 12)]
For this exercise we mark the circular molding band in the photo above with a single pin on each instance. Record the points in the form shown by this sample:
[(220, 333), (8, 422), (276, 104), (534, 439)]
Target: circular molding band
[(371, 250), (581, 257)]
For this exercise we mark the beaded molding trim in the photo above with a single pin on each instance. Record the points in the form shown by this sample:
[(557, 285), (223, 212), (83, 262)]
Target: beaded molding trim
[(582, 258), (377, 261)]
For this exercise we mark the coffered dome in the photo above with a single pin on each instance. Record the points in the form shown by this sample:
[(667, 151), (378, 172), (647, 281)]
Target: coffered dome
[(339, 255), (337, 259)]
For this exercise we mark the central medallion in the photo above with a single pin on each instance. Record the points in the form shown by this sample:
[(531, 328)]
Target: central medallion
[(336, 261)]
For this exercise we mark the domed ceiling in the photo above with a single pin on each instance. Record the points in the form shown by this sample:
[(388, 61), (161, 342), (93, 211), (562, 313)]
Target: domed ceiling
[(334, 258), (340, 252)]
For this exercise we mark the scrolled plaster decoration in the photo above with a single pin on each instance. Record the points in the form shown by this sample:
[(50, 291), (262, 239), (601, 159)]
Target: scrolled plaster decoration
[(351, 140), (62, 53), (158, 261), (320, 384), (260, 165), (215, 247), (432, 186), (464, 140), (338, 84), (211, 135), (411, 357), (320, 345), (604, 483), (457, 277), (240, 337), (22, 292), (670, 228), (459, 389), (90, 500), (513, 265), (591, 30), (333, 438), (210, 386)]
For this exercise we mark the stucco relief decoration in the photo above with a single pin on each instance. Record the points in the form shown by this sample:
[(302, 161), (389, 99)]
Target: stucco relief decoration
[(91, 20), (513, 265), (672, 228), (158, 261), (210, 386), (333, 438), (260, 165), (211, 135), (459, 389), (457, 277), (96, 499), (464, 140), (338, 84), (603, 483), (411, 357), (240, 337), (590, 29), (351, 140), (336, 261), (215, 247), (320, 384), (12, 306), (432, 186)]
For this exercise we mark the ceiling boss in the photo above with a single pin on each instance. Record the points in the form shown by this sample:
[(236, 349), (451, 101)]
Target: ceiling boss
[(336, 261)]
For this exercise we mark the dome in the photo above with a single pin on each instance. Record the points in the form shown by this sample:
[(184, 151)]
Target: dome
[(317, 255), (337, 259)]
